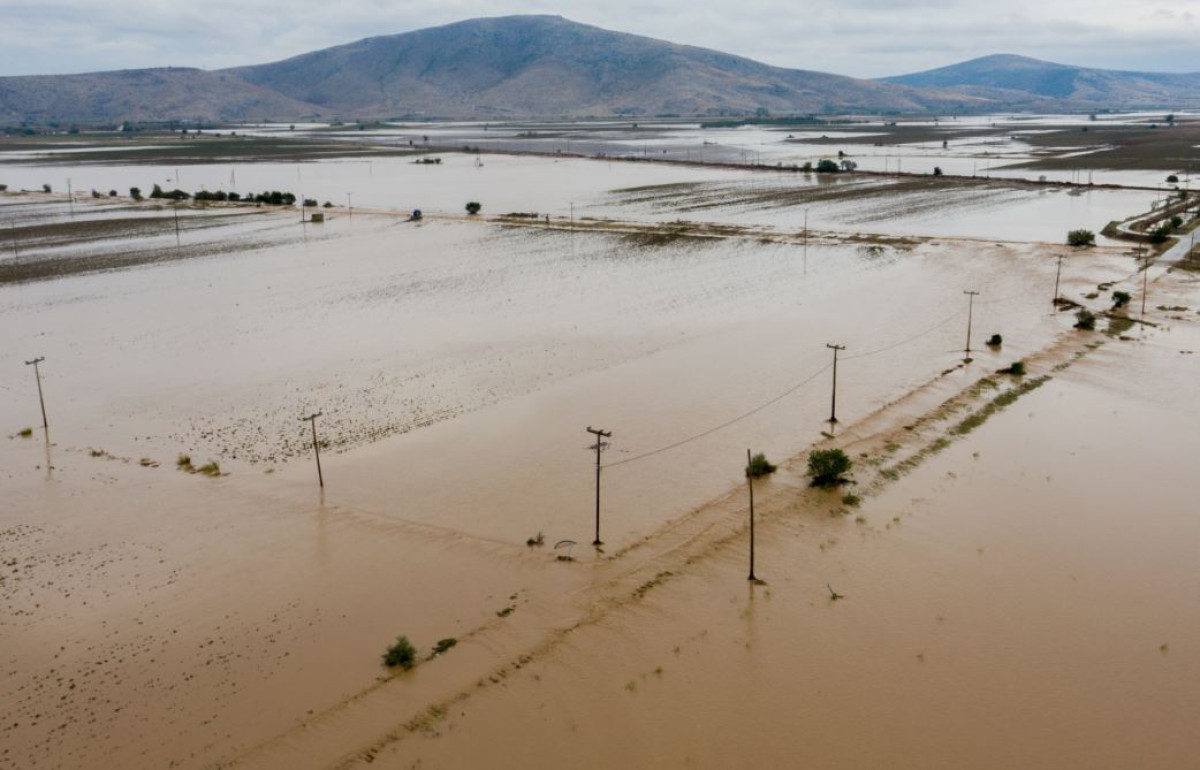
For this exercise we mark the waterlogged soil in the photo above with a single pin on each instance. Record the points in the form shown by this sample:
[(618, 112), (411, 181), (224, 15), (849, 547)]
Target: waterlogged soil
[(163, 618), (1010, 599)]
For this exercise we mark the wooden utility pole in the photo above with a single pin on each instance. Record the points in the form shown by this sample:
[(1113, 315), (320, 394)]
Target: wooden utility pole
[(312, 418), (1145, 283), (37, 373), (1057, 274), (349, 204), (750, 486), (600, 436), (970, 312), (833, 401)]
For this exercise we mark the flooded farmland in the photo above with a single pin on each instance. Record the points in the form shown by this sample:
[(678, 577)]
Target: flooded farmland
[(992, 553)]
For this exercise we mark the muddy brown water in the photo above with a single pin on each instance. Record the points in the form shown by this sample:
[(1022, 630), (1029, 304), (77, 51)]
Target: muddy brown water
[(158, 616)]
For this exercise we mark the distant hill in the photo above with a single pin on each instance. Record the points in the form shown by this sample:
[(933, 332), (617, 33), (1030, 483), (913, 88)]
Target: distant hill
[(1023, 82), (547, 66), (141, 95)]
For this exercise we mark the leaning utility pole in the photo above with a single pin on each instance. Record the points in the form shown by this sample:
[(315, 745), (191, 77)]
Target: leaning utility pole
[(312, 418), (600, 436), (970, 311), (37, 373), (833, 401), (750, 486)]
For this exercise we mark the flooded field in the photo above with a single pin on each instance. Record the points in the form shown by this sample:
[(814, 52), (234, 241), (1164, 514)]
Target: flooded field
[(179, 613)]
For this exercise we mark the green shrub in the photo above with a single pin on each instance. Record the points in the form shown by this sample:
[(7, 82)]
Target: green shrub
[(210, 468), (937, 170), (995, 341), (1017, 369), (1176, 222), (759, 466), (1081, 237), (135, 193), (184, 462), (827, 166), (1172, 179), (474, 208), (1085, 319), (25, 432), (1121, 298), (401, 653), (826, 467)]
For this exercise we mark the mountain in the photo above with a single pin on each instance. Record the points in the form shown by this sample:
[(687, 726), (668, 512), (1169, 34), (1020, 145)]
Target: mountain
[(549, 66), (141, 95), (1023, 82)]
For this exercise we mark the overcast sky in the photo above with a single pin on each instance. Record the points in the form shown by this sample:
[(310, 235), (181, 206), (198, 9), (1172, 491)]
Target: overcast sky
[(863, 38)]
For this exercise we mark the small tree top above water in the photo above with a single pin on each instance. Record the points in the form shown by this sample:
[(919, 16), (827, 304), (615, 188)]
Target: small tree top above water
[(827, 466), (759, 466), (1081, 237)]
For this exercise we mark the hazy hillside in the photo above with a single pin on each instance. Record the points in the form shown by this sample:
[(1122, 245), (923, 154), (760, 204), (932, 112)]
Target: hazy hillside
[(1020, 81), (150, 94), (547, 65)]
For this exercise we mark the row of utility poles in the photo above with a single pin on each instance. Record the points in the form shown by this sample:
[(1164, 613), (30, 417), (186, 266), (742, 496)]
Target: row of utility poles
[(600, 434)]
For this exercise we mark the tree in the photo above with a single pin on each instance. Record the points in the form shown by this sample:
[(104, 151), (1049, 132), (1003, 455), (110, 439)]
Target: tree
[(1081, 237), (402, 654), (826, 467), (1121, 299), (759, 466), (157, 192), (937, 170), (827, 166), (1172, 179), (1085, 319), (135, 193), (474, 208)]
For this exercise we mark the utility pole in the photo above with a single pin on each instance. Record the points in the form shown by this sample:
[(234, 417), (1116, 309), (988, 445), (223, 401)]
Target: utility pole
[(970, 312), (572, 215), (312, 418), (833, 402), (175, 209), (600, 436), (38, 374), (805, 241), (71, 196), (1057, 273), (750, 486), (1145, 282), (16, 249), (349, 204)]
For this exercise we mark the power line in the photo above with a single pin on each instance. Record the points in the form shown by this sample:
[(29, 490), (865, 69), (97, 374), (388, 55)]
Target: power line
[(785, 394), (726, 424)]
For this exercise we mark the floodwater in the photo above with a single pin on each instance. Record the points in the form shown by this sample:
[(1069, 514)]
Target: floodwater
[(566, 187), (161, 617), (1026, 601)]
